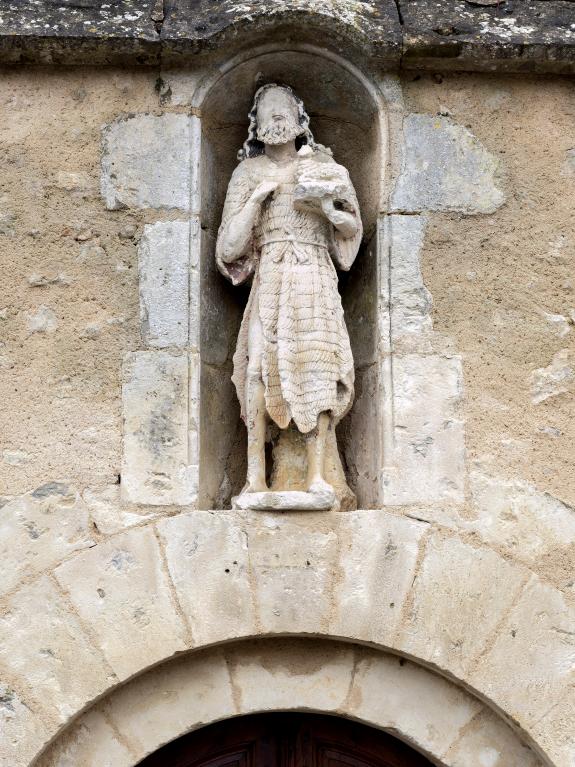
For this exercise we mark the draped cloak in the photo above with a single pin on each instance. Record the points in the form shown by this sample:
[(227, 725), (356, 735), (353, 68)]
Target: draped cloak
[(307, 364)]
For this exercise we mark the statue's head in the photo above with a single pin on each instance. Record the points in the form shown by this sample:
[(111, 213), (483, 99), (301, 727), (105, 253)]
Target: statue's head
[(276, 117)]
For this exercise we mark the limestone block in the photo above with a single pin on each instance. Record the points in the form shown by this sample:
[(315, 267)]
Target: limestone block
[(90, 743), (36, 532), (555, 379), (196, 247), (121, 591), (376, 565), (157, 467), (445, 168), (163, 269), (146, 161), (489, 741), (410, 300), (23, 732), (45, 644), (457, 587), (402, 697), (288, 561), (110, 515), (429, 446), (555, 732), (284, 676), (194, 690), (207, 555), (536, 644), (532, 526)]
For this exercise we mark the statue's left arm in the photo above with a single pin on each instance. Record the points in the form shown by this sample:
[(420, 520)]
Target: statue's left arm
[(343, 212), (325, 184)]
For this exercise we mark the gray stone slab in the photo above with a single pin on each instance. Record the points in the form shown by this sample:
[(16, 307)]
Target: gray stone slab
[(524, 36), (515, 36), (445, 168), (163, 267), (158, 466), (129, 143), (371, 28), (79, 31)]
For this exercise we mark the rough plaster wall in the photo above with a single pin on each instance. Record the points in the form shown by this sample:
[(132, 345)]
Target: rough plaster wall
[(503, 284), (69, 298)]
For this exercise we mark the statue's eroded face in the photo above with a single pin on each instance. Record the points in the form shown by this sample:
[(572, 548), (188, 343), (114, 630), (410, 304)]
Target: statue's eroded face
[(278, 117)]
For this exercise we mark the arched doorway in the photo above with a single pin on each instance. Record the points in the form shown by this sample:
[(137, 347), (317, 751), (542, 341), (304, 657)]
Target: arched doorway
[(286, 740)]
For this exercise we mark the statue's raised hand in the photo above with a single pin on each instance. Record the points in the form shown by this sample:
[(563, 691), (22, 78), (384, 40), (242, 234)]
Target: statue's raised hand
[(263, 191)]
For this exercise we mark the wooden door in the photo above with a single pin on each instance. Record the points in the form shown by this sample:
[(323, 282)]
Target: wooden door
[(286, 740)]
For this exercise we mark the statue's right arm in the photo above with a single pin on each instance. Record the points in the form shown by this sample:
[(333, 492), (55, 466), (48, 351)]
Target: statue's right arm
[(241, 211)]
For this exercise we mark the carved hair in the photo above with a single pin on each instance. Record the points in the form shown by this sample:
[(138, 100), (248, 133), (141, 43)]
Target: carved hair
[(253, 146)]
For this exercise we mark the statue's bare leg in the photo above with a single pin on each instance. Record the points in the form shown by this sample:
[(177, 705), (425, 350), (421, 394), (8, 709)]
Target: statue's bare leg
[(316, 444), (255, 409)]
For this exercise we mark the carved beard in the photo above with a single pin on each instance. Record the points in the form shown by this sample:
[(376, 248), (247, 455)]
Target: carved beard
[(279, 133)]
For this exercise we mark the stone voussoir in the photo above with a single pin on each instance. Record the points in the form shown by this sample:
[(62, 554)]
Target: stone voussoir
[(121, 591)]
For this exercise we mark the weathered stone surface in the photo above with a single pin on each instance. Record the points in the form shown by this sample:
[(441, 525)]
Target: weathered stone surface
[(207, 555), (128, 143), (555, 379), (110, 514), (530, 36), (385, 691), (42, 320), (84, 31), (527, 36), (450, 595), (163, 704), (375, 579), (280, 677), (285, 500), (532, 526), (163, 268), (289, 560), (91, 743), (445, 168), (160, 460), (489, 741), (428, 461), (402, 697), (555, 732), (42, 642), (23, 731), (370, 28), (536, 645), (121, 591), (410, 300), (38, 530)]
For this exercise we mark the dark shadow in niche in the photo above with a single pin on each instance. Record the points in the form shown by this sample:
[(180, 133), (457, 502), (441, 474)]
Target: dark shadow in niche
[(343, 117)]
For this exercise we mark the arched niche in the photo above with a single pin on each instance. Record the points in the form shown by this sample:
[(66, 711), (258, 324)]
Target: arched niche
[(347, 114)]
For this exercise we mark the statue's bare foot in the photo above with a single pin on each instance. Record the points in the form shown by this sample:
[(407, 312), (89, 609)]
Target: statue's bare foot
[(257, 485), (319, 485)]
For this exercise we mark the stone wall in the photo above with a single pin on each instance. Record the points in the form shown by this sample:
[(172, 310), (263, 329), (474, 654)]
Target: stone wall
[(464, 566)]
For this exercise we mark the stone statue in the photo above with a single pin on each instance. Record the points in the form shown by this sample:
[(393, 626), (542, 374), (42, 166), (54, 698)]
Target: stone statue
[(290, 214)]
